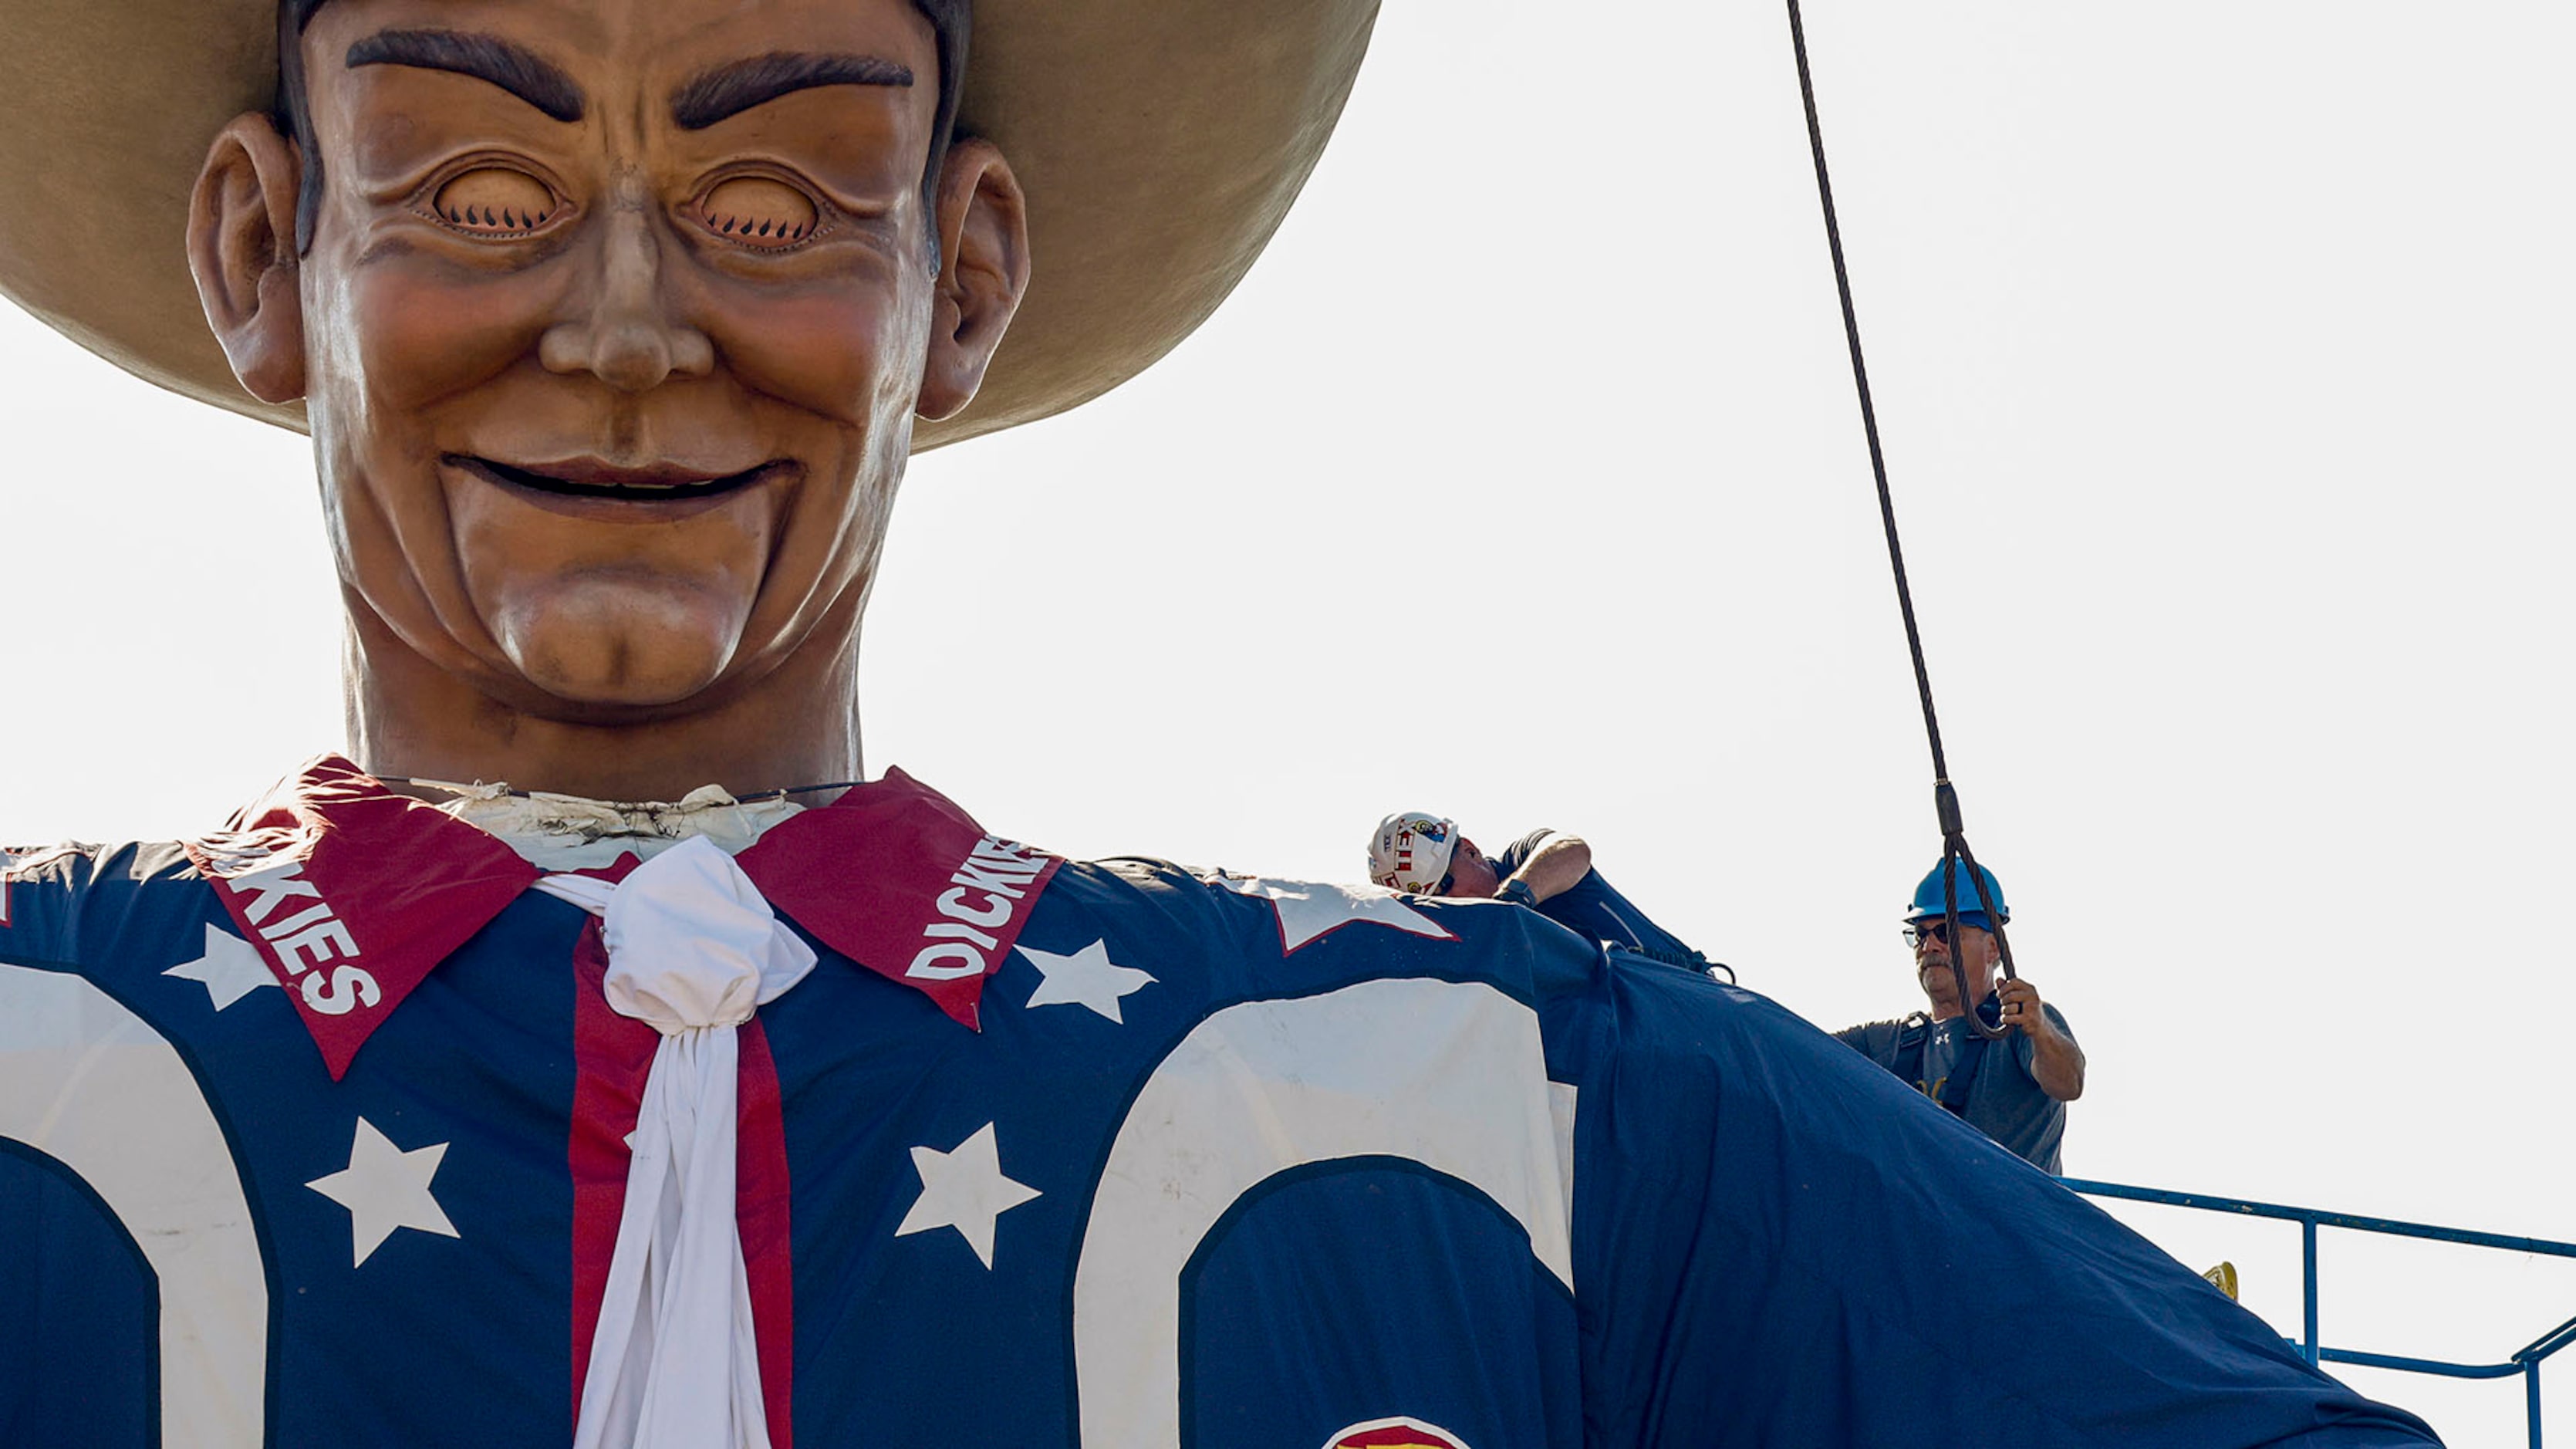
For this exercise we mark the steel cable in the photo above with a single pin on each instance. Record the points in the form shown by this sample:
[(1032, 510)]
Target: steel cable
[(1945, 799)]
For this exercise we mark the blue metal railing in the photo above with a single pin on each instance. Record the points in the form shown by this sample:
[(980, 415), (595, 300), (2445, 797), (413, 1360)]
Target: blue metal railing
[(2525, 1360)]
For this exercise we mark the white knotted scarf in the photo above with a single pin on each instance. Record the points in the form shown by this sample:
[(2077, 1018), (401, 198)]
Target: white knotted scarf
[(693, 948)]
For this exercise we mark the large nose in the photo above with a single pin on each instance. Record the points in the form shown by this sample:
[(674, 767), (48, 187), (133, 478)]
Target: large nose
[(627, 332)]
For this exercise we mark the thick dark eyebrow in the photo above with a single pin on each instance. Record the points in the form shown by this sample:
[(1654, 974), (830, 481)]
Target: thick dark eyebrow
[(514, 68), (731, 89)]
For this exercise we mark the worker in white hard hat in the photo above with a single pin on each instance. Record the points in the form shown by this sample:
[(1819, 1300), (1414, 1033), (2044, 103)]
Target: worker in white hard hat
[(1549, 872)]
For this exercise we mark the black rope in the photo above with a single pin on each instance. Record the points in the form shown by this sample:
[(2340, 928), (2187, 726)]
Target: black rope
[(1945, 799)]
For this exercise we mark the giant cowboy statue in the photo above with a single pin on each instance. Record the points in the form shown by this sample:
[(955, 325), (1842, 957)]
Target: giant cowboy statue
[(655, 1084)]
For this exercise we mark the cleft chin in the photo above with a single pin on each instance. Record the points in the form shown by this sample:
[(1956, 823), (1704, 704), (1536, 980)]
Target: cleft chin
[(618, 646)]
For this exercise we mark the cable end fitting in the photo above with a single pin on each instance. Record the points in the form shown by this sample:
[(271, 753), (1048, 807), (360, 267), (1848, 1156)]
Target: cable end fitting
[(1945, 803)]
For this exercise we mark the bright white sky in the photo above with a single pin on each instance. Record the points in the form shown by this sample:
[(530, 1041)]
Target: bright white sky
[(2218, 348)]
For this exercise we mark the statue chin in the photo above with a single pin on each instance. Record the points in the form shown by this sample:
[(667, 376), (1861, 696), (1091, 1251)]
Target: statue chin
[(607, 646)]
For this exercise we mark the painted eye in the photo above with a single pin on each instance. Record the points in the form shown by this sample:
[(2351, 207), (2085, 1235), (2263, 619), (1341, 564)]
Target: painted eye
[(494, 201), (759, 211)]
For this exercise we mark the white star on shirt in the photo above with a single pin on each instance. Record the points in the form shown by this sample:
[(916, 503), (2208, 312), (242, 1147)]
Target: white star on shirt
[(230, 970), (964, 1189), (1086, 978), (1308, 909), (385, 1188)]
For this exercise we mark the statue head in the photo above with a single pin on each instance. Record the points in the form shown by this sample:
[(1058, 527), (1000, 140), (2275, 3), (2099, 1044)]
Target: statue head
[(615, 322), (610, 318)]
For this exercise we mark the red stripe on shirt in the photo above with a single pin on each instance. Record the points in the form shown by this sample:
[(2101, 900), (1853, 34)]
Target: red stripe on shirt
[(612, 1055), (761, 1207)]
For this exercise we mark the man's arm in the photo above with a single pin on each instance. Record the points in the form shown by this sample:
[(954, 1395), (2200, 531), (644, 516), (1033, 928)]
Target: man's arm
[(2056, 1062), (1875, 1040), (1558, 864)]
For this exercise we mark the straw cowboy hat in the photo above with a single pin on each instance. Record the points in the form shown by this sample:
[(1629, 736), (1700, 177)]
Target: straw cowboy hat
[(1160, 143)]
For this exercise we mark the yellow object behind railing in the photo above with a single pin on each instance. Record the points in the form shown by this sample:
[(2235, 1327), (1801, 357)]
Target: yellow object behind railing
[(2223, 1277)]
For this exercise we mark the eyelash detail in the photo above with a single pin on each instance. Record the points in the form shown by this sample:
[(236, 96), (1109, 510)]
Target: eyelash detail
[(494, 201), (759, 212)]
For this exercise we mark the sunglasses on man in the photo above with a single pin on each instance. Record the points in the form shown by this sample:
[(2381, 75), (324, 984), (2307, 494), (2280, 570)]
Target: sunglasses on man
[(1936, 929)]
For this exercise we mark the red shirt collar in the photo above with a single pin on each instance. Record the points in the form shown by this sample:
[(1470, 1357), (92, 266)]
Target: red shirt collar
[(353, 894)]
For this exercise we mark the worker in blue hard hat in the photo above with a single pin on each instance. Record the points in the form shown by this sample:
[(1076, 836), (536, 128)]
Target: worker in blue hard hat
[(2015, 1089)]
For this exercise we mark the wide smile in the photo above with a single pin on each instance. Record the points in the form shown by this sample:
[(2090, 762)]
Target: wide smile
[(589, 478)]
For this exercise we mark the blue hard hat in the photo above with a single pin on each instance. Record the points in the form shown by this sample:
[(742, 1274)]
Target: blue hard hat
[(1928, 898)]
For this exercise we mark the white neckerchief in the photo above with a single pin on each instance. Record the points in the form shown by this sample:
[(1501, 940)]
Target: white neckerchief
[(693, 949)]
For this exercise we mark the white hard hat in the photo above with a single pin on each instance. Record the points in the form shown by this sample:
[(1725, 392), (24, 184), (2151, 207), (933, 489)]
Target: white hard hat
[(1410, 851)]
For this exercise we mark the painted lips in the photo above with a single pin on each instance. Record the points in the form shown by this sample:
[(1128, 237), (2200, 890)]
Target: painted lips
[(591, 478)]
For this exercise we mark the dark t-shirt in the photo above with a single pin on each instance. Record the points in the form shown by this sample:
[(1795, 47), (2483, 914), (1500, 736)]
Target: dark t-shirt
[(1591, 907), (2004, 1100)]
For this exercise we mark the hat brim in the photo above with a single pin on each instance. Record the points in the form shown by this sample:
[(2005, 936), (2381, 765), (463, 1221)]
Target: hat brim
[(1966, 918), (1160, 144)]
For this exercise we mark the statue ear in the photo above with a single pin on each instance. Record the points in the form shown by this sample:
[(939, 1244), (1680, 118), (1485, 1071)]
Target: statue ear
[(984, 270), (241, 247)]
